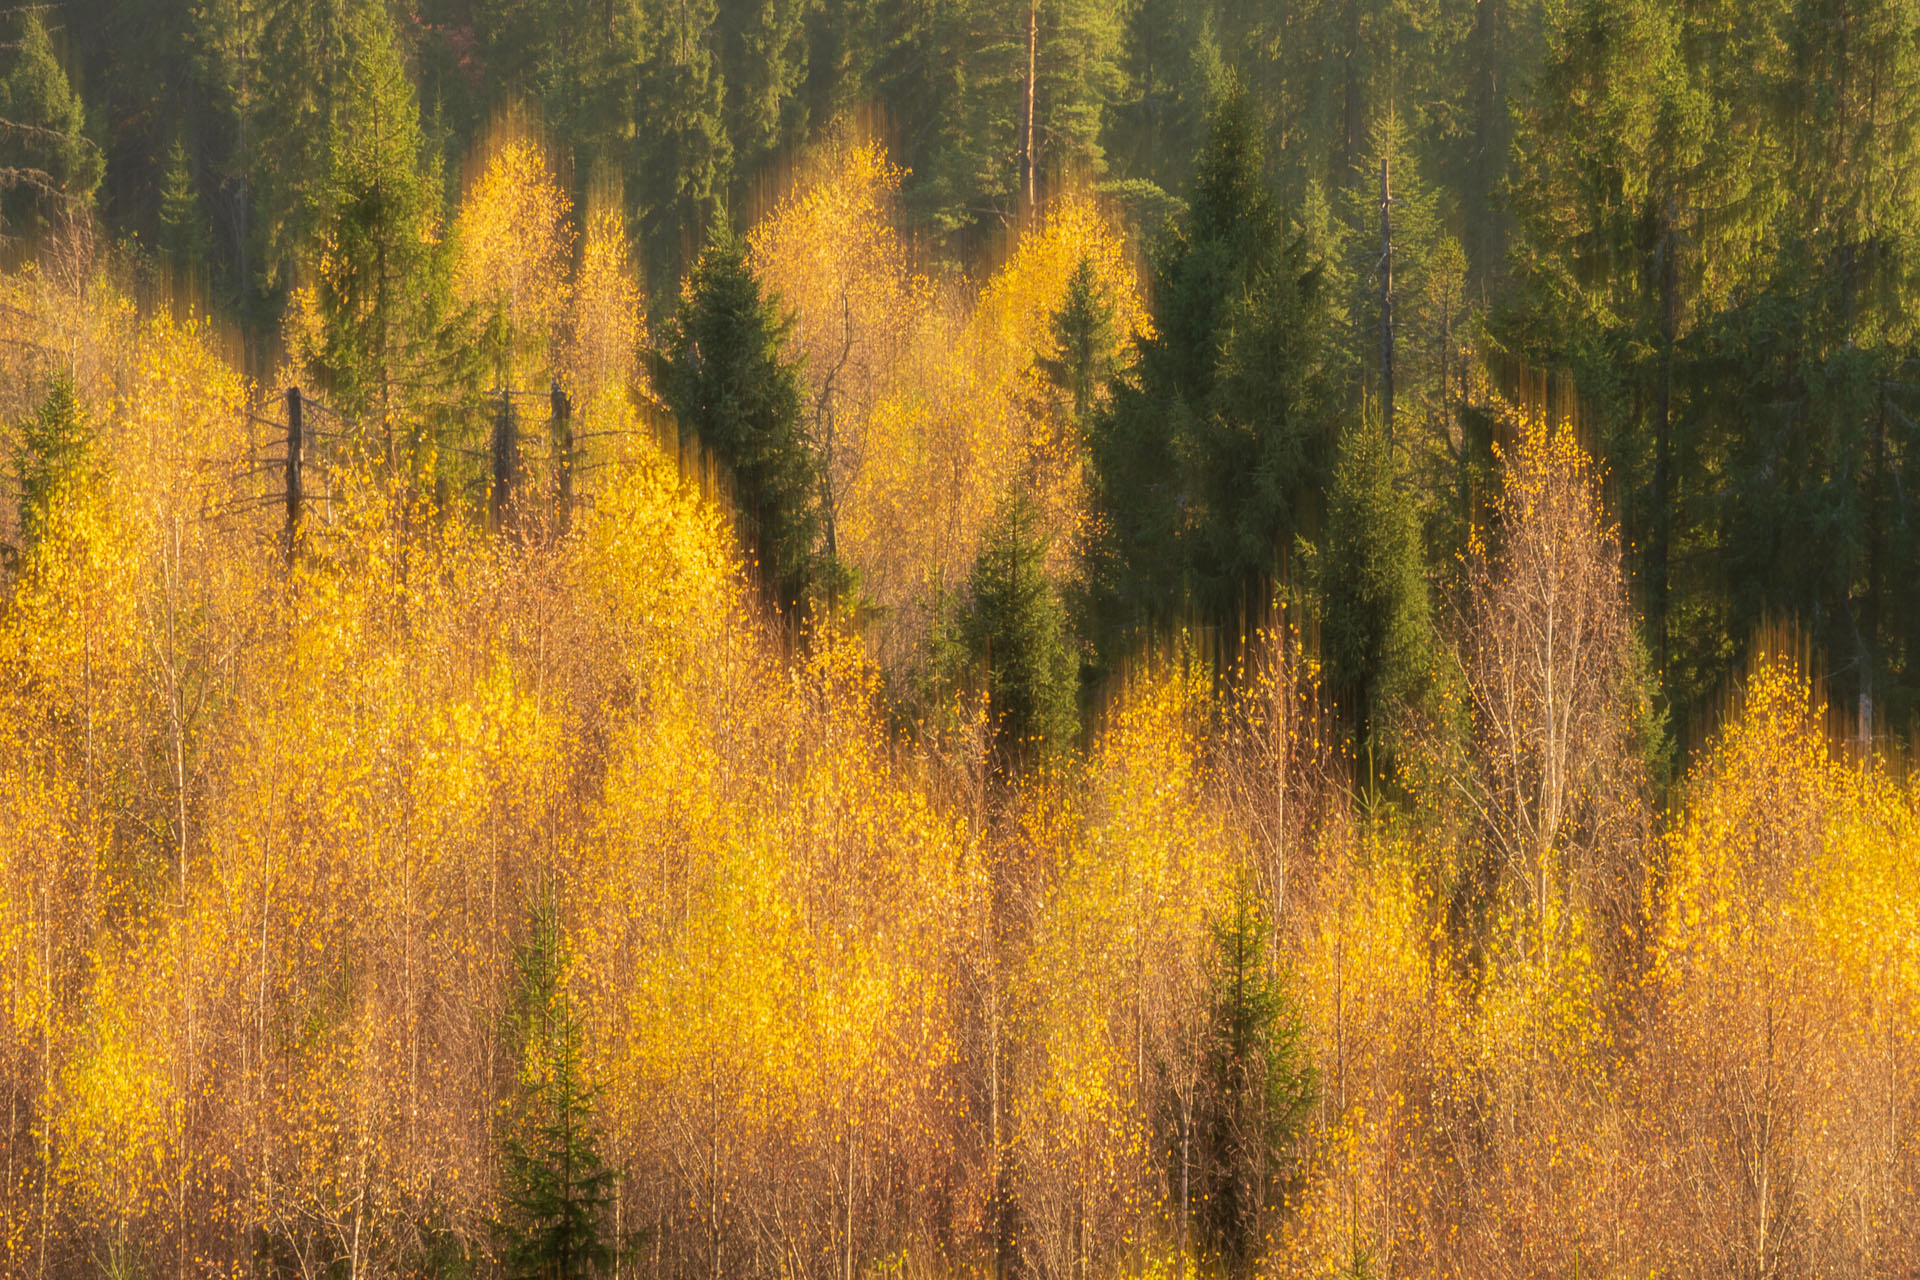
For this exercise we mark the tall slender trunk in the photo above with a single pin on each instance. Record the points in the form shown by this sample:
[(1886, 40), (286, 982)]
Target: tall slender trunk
[(1660, 550), (1386, 301), (1033, 50)]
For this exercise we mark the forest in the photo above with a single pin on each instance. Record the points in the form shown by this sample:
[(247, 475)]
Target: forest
[(903, 639)]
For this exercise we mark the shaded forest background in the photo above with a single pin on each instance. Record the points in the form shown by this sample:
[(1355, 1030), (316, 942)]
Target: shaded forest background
[(834, 639)]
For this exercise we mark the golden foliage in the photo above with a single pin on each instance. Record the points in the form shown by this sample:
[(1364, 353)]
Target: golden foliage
[(852, 1003), (924, 391), (515, 246)]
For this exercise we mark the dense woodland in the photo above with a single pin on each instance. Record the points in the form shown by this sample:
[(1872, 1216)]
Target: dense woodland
[(845, 639)]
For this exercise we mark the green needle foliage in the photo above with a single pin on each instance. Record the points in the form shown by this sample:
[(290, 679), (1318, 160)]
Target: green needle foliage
[(1209, 460), (1370, 577), (1015, 627), (1259, 1085), (555, 1188), (48, 163), (54, 457), (729, 385), (1083, 336)]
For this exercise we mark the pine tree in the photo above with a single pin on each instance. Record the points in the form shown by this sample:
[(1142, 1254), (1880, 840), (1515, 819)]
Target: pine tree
[(1078, 76), (555, 1187), (725, 376), (1014, 627), (961, 75), (49, 165)]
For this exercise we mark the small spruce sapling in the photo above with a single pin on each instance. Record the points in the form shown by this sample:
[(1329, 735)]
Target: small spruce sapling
[(555, 1187)]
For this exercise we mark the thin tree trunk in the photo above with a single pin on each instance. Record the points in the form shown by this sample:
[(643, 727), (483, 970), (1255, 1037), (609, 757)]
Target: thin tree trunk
[(1386, 301), (1033, 49)]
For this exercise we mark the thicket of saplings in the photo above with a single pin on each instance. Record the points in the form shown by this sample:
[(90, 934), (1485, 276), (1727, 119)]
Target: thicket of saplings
[(1026, 772)]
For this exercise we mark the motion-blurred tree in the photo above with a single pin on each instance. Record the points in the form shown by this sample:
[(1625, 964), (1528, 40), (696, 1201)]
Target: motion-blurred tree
[(725, 375), (554, 1185), (1013, 626), (49, 163)]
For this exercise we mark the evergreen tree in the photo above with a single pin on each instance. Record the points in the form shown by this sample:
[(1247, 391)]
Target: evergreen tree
[(49, 165), (764, 64), (961, 73), (1208, 462), (1078, 76), (1370, 581), (1083, 336), (1014, 627), (1259, 1085), (183, 233), (726, 379), (300, 85), (555, 1188), (55, 457), (1639, 174), (1173, 74), (682, 157), (384, 339)]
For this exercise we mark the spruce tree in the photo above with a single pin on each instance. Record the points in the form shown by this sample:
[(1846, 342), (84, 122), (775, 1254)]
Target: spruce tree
[(1258, 1087), (730, 386), (49, 165), (385, 343), (764, 64), (1083, 338), (1370, 582), (183, 233), (682, 157), (1014, 627), (54, 457), (555, 1187), (1210, 460)]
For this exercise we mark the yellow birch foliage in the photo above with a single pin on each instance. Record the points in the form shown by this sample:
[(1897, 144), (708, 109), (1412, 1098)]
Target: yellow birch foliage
[(1114, 995), (514, 247), (605, 329), (852, 1003), (1786, 970), (924, 394)]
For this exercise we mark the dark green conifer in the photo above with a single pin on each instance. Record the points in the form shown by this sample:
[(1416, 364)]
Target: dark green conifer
[(183, 232), (1014, 627), (387, 342), (1210, 459), (49, 165), (1258, 1087), (726, 378), (1083, 337), (55, 455), (555, 1188), (1370, 580)]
